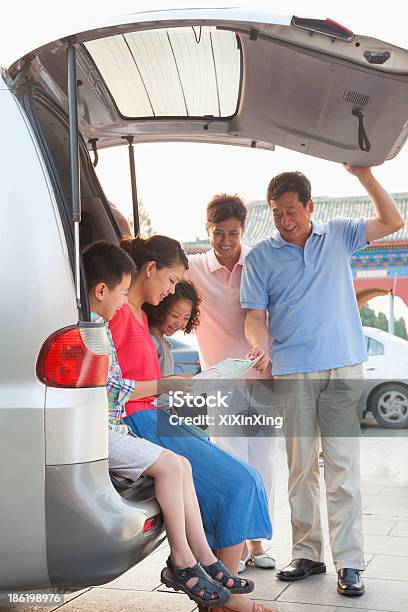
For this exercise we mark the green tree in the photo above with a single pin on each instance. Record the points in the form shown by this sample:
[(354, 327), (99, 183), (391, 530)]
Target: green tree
[(146, 228), (382, 321), (400, 328), (368, 317)]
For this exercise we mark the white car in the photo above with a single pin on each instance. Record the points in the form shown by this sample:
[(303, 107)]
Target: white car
[(386, 373)]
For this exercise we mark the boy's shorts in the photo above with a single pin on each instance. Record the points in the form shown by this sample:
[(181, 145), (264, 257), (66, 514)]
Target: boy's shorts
[(130, 456)]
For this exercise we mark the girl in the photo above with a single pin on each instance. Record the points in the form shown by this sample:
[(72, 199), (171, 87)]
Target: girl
[(177, 311), (231, 495)]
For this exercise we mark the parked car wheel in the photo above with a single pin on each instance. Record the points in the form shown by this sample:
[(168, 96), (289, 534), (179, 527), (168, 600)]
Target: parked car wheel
[(389, 405)]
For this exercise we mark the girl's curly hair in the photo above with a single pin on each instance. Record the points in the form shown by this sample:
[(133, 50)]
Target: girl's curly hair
[(185, 290)]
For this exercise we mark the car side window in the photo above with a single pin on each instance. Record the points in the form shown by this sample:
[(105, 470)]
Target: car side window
[(374, 347)]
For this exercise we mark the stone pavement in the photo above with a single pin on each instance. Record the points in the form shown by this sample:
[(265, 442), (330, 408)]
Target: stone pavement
[(385, 508)]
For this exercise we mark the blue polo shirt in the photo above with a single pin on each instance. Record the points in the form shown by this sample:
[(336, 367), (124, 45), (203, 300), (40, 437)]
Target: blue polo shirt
[(309, 294)]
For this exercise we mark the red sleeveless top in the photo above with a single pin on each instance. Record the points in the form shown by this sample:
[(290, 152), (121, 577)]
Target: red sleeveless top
[(137, 354)]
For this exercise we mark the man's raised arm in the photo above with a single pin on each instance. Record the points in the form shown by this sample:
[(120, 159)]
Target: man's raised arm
[(387, 218), (257, 335)]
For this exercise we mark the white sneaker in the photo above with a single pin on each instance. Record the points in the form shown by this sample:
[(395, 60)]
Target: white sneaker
[(242, 564), (263, 561)]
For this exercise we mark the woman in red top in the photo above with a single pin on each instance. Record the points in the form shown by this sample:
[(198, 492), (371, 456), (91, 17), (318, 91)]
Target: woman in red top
[(231, 494)]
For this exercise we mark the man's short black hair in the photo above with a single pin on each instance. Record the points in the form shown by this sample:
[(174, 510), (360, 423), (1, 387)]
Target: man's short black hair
[(105, 262), (289, 181)]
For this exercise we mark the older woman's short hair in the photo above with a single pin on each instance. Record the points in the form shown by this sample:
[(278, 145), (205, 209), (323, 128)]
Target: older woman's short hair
[(223, 206)]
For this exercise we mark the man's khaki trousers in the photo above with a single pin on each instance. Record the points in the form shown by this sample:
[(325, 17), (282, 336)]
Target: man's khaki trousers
[(327, 401)]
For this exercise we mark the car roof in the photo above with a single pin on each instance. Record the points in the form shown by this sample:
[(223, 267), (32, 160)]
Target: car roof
[(385, 336), (375, 331), (293, 87)]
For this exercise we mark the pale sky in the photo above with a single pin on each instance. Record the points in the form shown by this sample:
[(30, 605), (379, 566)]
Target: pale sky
[(176, 180)]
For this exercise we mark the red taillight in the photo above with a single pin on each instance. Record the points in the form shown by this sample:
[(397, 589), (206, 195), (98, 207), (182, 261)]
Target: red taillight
[(151, 523), (75, 357), (197, 361)]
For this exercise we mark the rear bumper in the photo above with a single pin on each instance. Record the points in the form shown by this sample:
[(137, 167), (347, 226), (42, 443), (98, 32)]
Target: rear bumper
[(93, 534)]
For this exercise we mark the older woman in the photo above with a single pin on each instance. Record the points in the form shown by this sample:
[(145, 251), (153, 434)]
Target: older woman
[(217, 277)]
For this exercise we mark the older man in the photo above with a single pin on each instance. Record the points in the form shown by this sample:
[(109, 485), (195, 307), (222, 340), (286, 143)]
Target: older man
[(301, 277)]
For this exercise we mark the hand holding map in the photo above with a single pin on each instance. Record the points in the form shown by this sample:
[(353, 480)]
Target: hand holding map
[(225, 370)]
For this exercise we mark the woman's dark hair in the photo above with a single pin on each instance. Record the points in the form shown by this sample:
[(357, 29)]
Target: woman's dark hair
[(105, 262), (184, 291), (289, 181), (223, 206), (165, 251)]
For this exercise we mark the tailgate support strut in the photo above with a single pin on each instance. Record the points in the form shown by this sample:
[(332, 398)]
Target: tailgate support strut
[(136, 222), (74, 158)]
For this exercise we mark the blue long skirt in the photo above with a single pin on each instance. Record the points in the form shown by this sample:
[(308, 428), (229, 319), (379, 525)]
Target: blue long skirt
[(230, 492)]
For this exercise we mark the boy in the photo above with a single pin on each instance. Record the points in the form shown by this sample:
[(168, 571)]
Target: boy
[(109, 273)]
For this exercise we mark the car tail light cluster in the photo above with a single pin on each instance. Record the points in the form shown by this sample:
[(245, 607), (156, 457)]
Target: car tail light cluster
[(197, 362), (75, 357)]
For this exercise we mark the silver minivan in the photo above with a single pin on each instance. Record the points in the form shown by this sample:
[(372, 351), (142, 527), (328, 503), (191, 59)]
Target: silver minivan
[(229, 75)]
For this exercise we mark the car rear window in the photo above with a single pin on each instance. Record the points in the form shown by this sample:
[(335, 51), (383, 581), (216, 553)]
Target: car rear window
[(374, 347), (175, 72)]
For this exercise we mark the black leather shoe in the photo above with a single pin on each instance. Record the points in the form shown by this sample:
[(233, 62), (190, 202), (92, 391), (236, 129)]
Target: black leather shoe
[(349, 582), (301, 568)]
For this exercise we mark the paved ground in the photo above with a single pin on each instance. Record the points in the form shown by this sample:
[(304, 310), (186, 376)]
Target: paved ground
[(385, 507)]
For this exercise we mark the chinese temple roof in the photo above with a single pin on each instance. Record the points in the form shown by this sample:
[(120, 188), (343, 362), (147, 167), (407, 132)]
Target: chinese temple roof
[(260, 223)]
